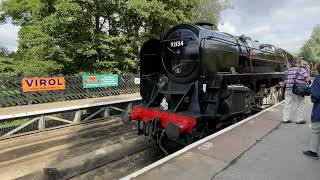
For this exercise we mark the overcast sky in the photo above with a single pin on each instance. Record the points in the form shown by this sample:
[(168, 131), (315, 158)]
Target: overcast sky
[(284, 23)]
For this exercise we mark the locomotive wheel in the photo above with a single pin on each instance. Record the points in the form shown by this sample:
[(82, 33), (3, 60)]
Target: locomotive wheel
[(199, 131)]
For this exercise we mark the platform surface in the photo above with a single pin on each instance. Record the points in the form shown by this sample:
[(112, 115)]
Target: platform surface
[(36, 109), (260, 148)]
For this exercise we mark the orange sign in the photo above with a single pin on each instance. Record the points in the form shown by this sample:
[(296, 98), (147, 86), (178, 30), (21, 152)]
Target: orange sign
[(43, 84)]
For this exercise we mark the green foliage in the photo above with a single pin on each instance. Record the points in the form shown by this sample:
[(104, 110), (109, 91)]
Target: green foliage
[(4, 51), (7, 66), (74, 36), (209, 10), (311, 49), (7, 62), (25, 12), (40, 55), (14, 123)]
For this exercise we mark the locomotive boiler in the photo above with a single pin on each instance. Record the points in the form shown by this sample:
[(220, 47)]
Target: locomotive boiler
[(196, 80)]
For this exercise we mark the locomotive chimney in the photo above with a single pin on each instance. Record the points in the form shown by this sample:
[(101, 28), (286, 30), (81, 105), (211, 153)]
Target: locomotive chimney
[(205, 25)]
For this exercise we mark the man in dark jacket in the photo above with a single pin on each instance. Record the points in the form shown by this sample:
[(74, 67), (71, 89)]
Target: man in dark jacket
[(315, 117)]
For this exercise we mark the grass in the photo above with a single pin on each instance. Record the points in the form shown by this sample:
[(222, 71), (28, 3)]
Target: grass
[(13, 123), (19, 122)]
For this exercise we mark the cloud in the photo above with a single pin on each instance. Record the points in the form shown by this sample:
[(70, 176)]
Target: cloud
[(9, 36), (260, 30), (227, 27), (284, 23)]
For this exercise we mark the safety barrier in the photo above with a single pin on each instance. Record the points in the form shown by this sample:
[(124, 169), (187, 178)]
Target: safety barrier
[(13, 125)]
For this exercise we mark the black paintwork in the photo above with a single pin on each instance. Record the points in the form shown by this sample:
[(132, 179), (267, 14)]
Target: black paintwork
[(197, 77)]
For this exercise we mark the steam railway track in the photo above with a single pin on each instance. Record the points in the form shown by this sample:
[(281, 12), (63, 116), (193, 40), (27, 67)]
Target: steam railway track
[(120, 163), (69, 151), (102, 150), (130, 159)]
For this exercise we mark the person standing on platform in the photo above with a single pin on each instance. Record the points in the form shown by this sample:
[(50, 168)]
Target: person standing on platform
[(300, 76), (315, 117)]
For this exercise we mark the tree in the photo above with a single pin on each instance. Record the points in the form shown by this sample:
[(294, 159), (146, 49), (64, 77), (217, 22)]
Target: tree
[(311, 49), (4, 51), (209, 10), (74, 36), (7, 66), (7, 62)]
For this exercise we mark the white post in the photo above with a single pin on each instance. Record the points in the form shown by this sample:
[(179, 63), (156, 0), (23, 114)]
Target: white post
[(129, 107), (106, 113), (42, 123), (77, 117)]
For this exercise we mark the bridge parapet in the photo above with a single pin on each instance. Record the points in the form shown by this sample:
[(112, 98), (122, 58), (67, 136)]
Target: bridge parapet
[(22, 120)]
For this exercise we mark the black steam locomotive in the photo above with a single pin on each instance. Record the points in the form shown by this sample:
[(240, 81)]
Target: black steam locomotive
[(196, 80)]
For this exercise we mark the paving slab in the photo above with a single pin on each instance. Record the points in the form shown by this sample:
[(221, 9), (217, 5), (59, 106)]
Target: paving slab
[(225, 147), (278, 156), (275, 115), (189, 166), (278, 107), (255, 129)]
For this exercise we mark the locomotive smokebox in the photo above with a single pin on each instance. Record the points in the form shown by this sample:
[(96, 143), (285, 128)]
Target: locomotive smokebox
[(180, 54)]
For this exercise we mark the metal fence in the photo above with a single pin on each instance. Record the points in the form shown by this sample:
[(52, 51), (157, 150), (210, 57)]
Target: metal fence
[(11, 93)]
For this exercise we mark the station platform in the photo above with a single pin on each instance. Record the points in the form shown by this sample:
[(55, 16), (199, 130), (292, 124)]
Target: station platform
[(257, 148), (38, 109)]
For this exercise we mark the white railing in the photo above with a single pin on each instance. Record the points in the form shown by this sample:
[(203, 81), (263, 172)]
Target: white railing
[(47, 119)]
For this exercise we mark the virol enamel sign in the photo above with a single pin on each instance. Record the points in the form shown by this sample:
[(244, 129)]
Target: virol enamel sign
[(43, 84)]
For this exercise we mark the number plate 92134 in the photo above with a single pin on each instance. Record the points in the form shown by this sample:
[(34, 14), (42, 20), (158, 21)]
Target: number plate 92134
[(176, 43)]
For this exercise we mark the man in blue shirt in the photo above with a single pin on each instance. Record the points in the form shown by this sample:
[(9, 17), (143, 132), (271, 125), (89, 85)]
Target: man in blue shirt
[(315, 117)]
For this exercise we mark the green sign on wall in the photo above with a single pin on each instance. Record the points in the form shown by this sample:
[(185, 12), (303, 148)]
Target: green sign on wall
[(99, 80)]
